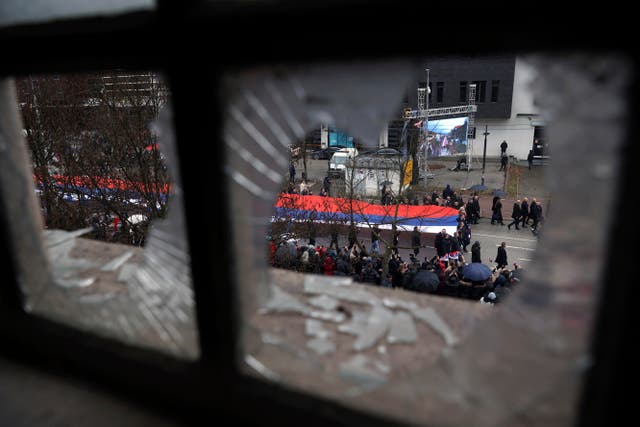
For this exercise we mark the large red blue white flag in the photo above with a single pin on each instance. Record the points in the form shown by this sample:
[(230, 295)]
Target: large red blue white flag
[(428, 219)]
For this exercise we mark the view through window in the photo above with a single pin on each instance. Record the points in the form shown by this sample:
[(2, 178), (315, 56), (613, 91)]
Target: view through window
[(396, 237), (104, 172)]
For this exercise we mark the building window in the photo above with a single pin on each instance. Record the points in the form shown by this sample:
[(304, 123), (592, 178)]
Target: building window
[(439, 92), (481, 90), (463, 92), (495, 86)]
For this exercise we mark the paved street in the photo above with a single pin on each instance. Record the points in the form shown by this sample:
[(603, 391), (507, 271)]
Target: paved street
[(521, 244)]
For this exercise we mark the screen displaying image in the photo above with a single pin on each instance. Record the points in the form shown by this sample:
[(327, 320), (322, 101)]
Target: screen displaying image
[(447, 137)]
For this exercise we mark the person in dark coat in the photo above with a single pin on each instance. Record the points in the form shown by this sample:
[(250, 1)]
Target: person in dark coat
[(497, 212), (447, 192), (503, 148), (438, 242), (524, 211), (475, 252), (530, 158), (415, 240), (476, 206), (536, 215), (455, 243), (533, 210), (326, 185), (504, 161), (501, 257), (343, 267), (292, 172), (369, 273), (516, 215), (470, 209), (434, 196), (464, 233), (447, 244)]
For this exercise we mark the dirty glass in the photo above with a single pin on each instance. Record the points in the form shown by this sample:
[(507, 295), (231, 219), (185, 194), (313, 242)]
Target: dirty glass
[(458, 358), (100, 161)]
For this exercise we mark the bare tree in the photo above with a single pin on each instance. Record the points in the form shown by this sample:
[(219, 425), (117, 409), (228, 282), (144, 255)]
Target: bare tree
[(90, 142)]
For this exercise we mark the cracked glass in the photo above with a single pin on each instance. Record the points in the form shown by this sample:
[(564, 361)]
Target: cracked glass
[(448, 352), (97, 152)]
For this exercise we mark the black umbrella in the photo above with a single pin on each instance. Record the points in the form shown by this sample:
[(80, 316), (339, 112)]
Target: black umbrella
[(477, 187), (499, 193), (386, 183), (476, 272), (425, 281)]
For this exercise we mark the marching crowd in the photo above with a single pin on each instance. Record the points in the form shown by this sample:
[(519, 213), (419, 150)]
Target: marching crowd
[(449, 272)]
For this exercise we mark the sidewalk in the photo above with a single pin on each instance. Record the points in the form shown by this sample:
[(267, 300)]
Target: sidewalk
[(530, 184)]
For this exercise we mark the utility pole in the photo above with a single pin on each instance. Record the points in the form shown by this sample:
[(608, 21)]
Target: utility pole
[(484, 153)]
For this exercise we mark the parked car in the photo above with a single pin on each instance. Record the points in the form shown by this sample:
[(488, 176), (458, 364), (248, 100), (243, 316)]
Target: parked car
[(387, 152), (325, 153)]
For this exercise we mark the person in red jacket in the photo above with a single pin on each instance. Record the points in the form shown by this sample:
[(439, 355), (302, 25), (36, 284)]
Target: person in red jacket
[(329, 266)]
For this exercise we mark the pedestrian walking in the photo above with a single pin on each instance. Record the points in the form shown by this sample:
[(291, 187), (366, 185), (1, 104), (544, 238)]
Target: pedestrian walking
[(464, 233), (504, 161), (530, 158), (476, 208), (536, 215), (516, 214), (533, 210), (524, 211), (501, 256), (503, 148), (497, 212)]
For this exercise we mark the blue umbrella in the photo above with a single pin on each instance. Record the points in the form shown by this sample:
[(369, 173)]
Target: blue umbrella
[(499, 193), (477, 187), (476, 272)]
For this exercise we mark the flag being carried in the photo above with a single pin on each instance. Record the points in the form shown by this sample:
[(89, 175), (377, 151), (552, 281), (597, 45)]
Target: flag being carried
[(428, 219)]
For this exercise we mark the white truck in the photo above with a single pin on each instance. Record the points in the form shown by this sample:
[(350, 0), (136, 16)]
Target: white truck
[(338, 162)]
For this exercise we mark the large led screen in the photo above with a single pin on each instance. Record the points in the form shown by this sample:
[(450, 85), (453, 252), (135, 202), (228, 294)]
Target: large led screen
[(447, 137)]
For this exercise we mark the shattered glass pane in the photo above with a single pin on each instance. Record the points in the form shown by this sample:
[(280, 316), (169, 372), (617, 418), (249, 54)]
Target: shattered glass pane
[(112, 239), (394, 351), (402, 329)]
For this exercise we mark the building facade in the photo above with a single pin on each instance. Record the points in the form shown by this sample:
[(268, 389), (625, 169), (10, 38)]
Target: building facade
[(505, 107)]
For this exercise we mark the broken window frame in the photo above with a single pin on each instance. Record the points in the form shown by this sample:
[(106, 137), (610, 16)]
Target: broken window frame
[(214, 383)]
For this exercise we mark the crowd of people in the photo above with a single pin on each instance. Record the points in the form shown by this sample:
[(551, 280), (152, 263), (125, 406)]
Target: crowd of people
[(441, 275)]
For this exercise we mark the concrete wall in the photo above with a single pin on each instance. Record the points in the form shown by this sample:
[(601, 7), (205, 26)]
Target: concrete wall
[(518, 129), (367, 181)]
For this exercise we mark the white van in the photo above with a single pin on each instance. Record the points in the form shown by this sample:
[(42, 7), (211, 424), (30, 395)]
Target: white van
[(338, 162)]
